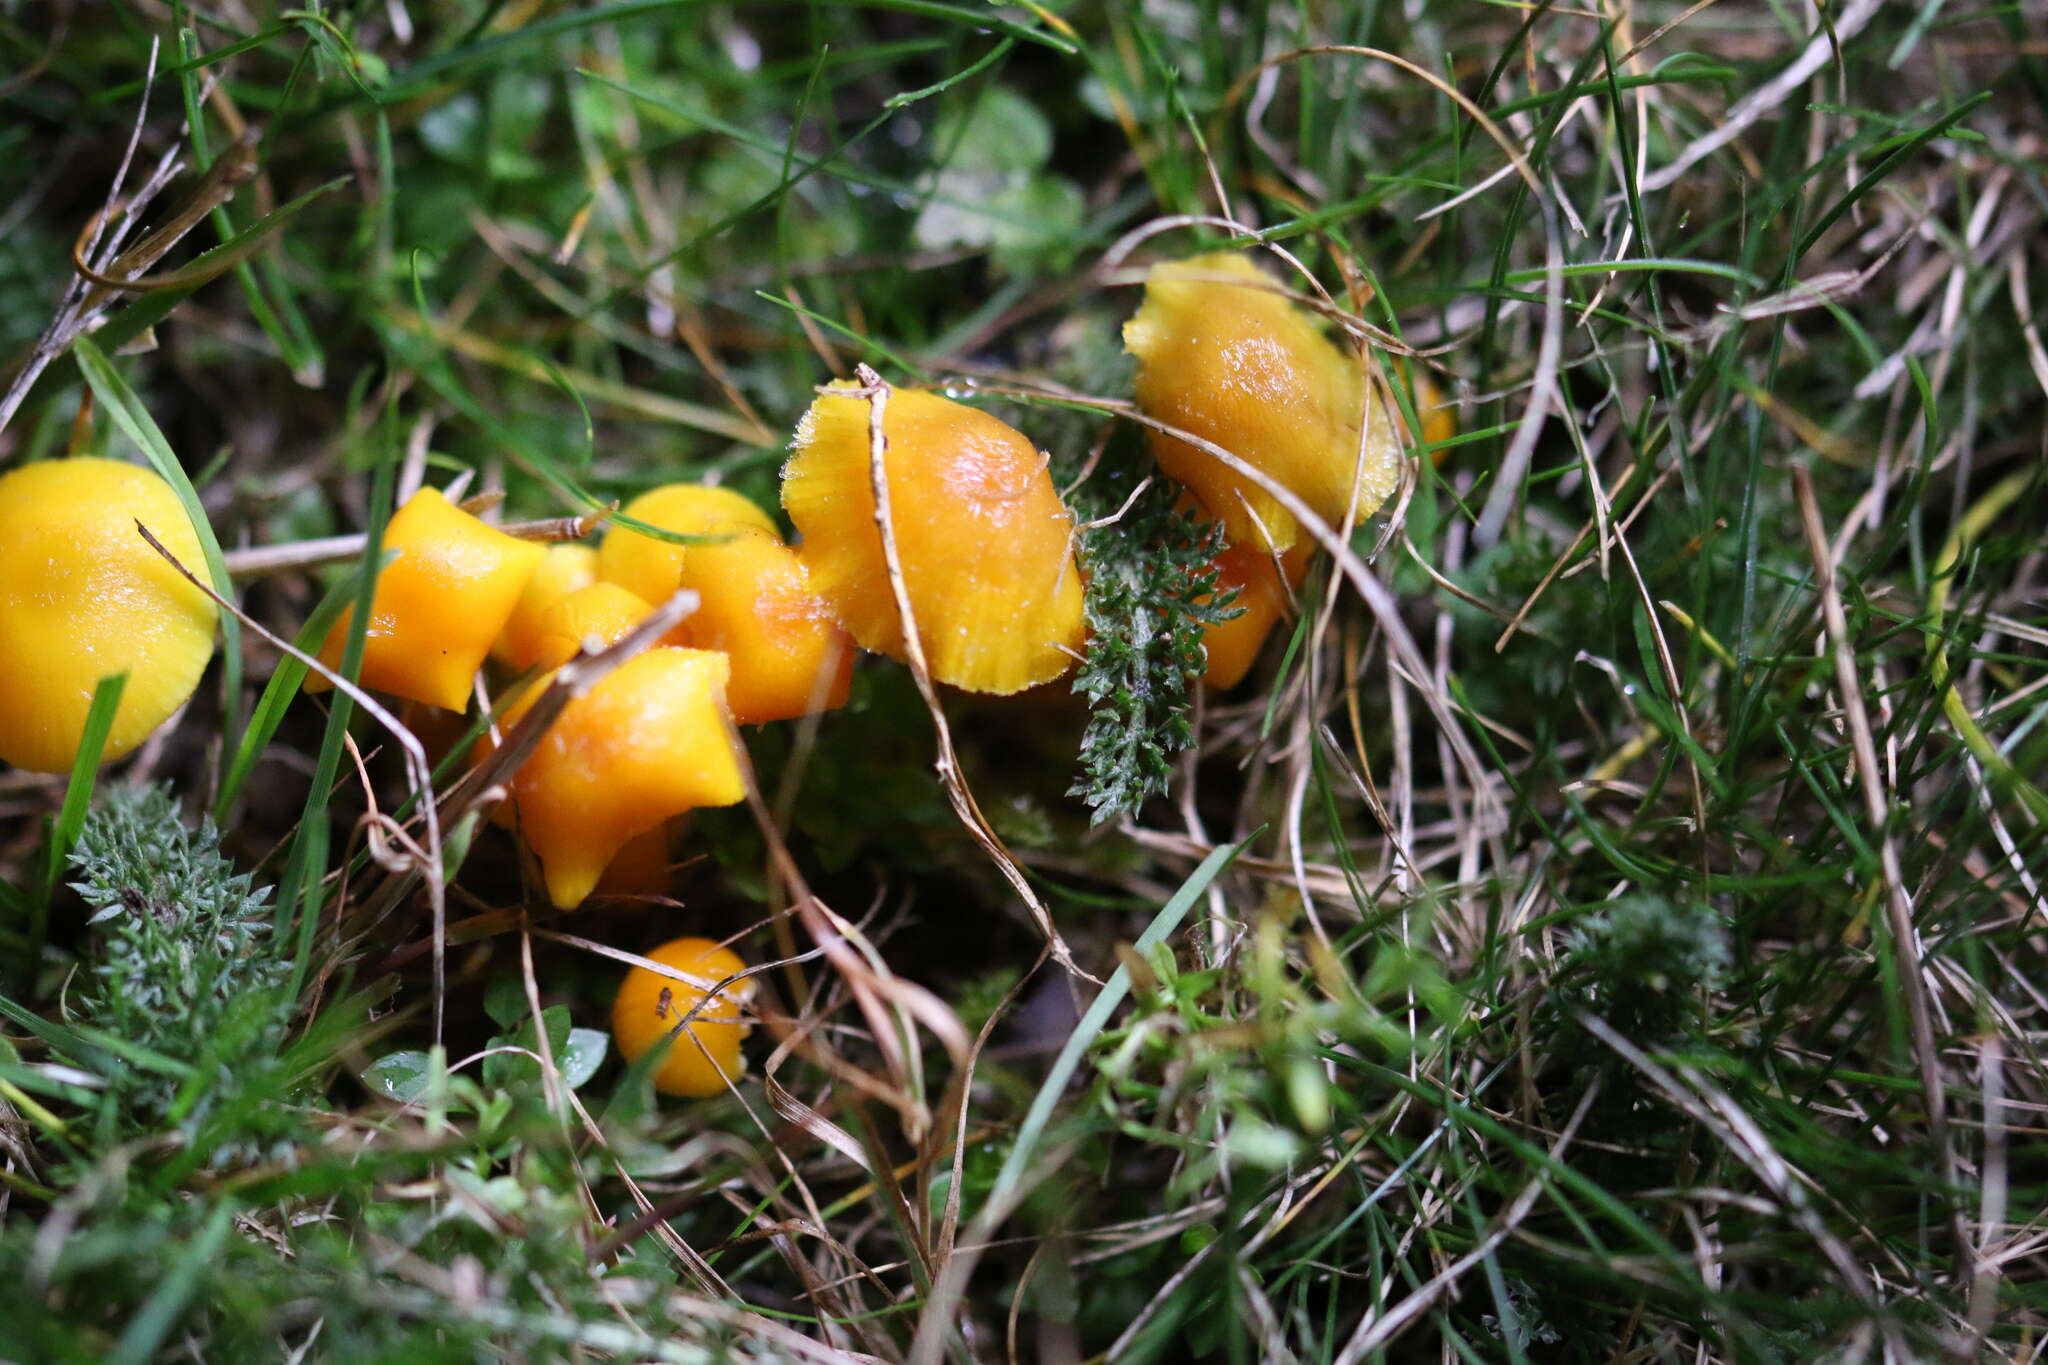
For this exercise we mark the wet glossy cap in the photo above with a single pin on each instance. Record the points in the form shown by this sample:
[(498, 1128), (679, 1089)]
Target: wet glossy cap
[(1223, 354), (440, 603), (587, 619), (648, 742), (650, 1010), (652, 569), (985, 543), (83, 597), (562, 570), (755, 603)]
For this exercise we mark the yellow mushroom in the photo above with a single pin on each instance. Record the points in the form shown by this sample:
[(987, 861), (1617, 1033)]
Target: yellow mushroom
[(652, 569), (562, 570), (651, 1009), (587, 619), (642, 867), (755, 603), (83, 597), (439, 605), (1232, 646), (984, 541), (648, 742), (1224, 355), (1438, 417)]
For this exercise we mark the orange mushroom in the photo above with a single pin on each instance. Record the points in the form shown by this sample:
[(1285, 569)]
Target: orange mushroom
[(1233, 645), (648, 742), (562, 570), (1224, 355), (789, 657), (642, 867), (653, 569), (587, 619), (439, 604), (983, 539), (1438, 417), (702, 1032)]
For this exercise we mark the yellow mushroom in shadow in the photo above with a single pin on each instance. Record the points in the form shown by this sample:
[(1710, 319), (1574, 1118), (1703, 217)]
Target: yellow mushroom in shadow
[(1263, 595), (83, 597), (653, 1009)]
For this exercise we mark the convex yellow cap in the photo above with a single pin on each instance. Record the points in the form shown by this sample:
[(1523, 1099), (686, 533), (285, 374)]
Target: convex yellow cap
[(648, 742), (563, 569), (653, 569), (650, 1007), (1223, 354), (985, 543), (440, 603), (83, 597)]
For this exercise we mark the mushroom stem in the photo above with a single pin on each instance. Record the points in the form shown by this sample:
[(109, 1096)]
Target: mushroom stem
[(263, 561)]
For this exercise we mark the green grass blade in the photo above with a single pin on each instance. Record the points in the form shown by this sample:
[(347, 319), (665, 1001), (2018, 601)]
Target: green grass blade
[(1010, 1179), (153, 1322), (85, 765), (280, 692), (138, 426)]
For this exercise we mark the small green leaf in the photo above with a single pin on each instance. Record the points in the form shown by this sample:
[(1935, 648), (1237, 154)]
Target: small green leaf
[(582, 1055), (505, 1001), (509, 1069), (401, 1076)]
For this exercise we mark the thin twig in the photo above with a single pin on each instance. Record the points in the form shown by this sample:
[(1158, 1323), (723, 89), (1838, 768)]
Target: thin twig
[(266, 561), (419, 772), (876, 393), (1877, 807)]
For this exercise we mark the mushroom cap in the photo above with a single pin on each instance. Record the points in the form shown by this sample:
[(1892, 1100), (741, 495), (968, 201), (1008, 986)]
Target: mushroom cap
[(439, 605), (755, 603), (985, 543), (649, 741), (649, 1006), (1223, 354), (591, 617), (653, 569), (83, 596), (1233, 646), (562, 570)]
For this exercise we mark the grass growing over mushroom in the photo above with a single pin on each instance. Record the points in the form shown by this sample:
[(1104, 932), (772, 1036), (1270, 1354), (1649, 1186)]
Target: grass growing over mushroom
[(1607, 927)]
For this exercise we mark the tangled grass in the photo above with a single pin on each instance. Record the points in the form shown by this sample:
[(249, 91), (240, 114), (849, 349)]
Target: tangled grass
[(1608, 927)]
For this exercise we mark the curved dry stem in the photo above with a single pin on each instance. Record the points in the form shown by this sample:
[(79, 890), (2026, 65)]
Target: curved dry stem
[(419, 772), (875, 391)]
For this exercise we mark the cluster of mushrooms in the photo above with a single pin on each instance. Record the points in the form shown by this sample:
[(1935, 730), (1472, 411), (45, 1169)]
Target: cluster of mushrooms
[(981, 552)]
